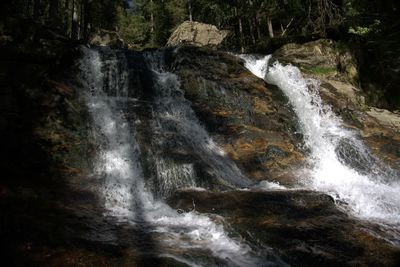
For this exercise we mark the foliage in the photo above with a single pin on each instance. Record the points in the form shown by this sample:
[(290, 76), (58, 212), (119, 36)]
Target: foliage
[(362, 31), (369, 27), (74, 18), (133, 29)]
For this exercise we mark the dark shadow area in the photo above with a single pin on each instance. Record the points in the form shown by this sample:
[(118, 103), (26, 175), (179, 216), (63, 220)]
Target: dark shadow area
[(29, 180), (50, 214), (303, 227)]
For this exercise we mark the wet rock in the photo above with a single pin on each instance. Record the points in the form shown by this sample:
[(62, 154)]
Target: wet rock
[(379, 128), (197, 34), (348, 94), (303, 227), (333, 66), (249, 119), (386, 118)]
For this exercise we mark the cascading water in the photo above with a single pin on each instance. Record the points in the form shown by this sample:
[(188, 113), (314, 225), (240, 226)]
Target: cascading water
[(115, 162), (173, 113), (191, 238), (340, 164)]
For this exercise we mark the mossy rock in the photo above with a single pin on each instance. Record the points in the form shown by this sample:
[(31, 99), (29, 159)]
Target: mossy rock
[(320, 58)]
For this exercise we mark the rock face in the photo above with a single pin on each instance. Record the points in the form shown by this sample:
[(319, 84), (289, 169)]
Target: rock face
[(322, 58), (197, 34), (337, 72), (386, 118), (249, 119)]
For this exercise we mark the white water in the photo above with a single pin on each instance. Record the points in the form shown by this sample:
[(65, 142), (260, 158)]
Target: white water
[(124, 191), (339, 163), (114, 162), (174, 113)]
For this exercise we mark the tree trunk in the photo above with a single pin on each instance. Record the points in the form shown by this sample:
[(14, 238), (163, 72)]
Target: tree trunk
[(190, 10), (74, 21), (151, 17), (240, 30), (53, 10), (29, 9), (241, 34), (82, 19), (36, 8), (251, 22), (270, 28), (251, 28), (258, 23), (87, 19), (66, 17)]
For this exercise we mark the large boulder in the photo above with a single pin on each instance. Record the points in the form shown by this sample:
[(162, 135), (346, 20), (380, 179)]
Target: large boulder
[(197, 34)]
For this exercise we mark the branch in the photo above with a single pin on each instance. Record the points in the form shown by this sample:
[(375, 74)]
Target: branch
[(287, 27)]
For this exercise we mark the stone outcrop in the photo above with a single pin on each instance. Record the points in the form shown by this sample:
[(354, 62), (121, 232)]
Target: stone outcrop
[(301, 226), (246, 117), (197, 34), (322, 58)]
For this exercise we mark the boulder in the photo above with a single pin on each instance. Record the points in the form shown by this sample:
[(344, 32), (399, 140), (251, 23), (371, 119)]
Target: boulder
[(107, 38), (321, 58), (197, 34)]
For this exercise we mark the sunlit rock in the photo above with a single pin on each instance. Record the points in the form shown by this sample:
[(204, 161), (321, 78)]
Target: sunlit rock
[(197, 34)]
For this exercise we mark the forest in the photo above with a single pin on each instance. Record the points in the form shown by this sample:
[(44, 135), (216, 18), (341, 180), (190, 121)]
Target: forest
[(147, 23), (369, 27)]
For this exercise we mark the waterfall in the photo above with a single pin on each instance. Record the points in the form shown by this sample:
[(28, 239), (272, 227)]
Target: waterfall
[(339, 162), (173, 113), (117, 160), (189, 237)]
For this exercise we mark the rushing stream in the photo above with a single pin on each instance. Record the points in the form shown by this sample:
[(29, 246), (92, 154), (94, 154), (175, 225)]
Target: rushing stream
[(188, 237), (339, 163), (150, 143)]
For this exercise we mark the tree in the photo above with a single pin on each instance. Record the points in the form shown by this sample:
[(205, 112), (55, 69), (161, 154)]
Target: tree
[(190, 10), (322, 14)]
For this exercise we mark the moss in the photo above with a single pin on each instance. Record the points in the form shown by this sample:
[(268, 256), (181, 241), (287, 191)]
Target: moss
[(352, 118), (191, 86), (277, 95), (322, 70), (340, 47)]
